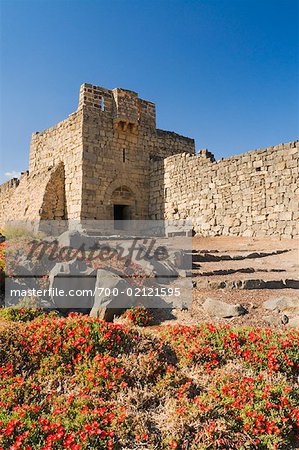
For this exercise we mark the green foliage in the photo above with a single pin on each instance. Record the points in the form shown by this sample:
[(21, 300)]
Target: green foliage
[(16, 232), (22, 313)]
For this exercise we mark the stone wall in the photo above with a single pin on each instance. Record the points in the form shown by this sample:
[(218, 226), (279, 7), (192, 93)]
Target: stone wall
[(52, 189), (30, 200), (54, 205), (168, 142), (253, 194), (6, 192)]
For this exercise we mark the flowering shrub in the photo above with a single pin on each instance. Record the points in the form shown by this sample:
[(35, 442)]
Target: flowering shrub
[(138, 315), (22, 314), (2, 262), (81, 383)]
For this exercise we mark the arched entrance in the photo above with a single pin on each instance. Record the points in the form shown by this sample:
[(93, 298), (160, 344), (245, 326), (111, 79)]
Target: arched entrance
[(124, 206)]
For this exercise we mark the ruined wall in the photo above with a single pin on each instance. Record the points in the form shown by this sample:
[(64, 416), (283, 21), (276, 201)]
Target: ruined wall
[(6, 192), (54, 206), (34, 196), (169, 143), (53, 187), (253, 194), (61, 143)]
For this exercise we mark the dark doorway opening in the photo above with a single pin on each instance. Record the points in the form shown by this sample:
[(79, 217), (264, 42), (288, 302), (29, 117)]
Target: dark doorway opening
[(121, 214)]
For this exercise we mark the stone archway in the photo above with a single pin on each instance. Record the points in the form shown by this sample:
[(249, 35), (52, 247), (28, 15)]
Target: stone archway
[(121, 201)]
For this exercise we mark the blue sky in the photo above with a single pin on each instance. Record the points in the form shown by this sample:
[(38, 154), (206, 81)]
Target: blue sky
[(222, 71)]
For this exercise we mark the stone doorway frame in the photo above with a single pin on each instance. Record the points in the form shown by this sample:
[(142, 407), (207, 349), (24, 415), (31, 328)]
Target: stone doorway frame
[(119, 193)]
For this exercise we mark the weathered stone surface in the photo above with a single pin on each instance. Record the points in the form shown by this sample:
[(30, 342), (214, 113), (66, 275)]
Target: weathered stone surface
[(162, 270), (106, 305), (294, 322), (75, 275), (293, 284), (224, 197), (272, 304), (272, 320), (218, 308), (283, 304)]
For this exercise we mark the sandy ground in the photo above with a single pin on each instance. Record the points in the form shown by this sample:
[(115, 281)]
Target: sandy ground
[(274, 259)]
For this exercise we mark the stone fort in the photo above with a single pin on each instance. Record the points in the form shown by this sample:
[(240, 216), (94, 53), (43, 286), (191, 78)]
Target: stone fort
[(108, 161)]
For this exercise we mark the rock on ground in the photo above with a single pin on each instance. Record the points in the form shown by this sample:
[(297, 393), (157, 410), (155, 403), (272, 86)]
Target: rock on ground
[(106, 303), (221, 309), (284, 304)]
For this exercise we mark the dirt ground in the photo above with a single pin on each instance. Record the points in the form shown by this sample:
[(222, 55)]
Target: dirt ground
[(265, 259)]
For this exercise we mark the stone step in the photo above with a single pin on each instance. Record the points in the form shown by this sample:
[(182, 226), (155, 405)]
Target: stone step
[(232, 271), (210, 257), (249, 284)]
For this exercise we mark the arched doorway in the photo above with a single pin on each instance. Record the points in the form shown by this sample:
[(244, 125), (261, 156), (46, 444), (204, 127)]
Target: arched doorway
[(124, 206)]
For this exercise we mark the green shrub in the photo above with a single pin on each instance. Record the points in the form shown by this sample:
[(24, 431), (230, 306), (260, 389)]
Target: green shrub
[(23, 314)]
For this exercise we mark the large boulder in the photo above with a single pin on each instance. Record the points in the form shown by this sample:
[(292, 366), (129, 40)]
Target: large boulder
[(283, 304), (221, 309), (114, 294), (111, 296), (72, 285), (75, 239), (152, 265)]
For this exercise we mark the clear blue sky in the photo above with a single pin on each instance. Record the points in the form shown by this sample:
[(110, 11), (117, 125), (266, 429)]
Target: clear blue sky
[(222, 71)]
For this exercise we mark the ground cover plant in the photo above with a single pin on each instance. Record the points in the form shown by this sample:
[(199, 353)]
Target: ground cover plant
[(77, 382), (2, 264)]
